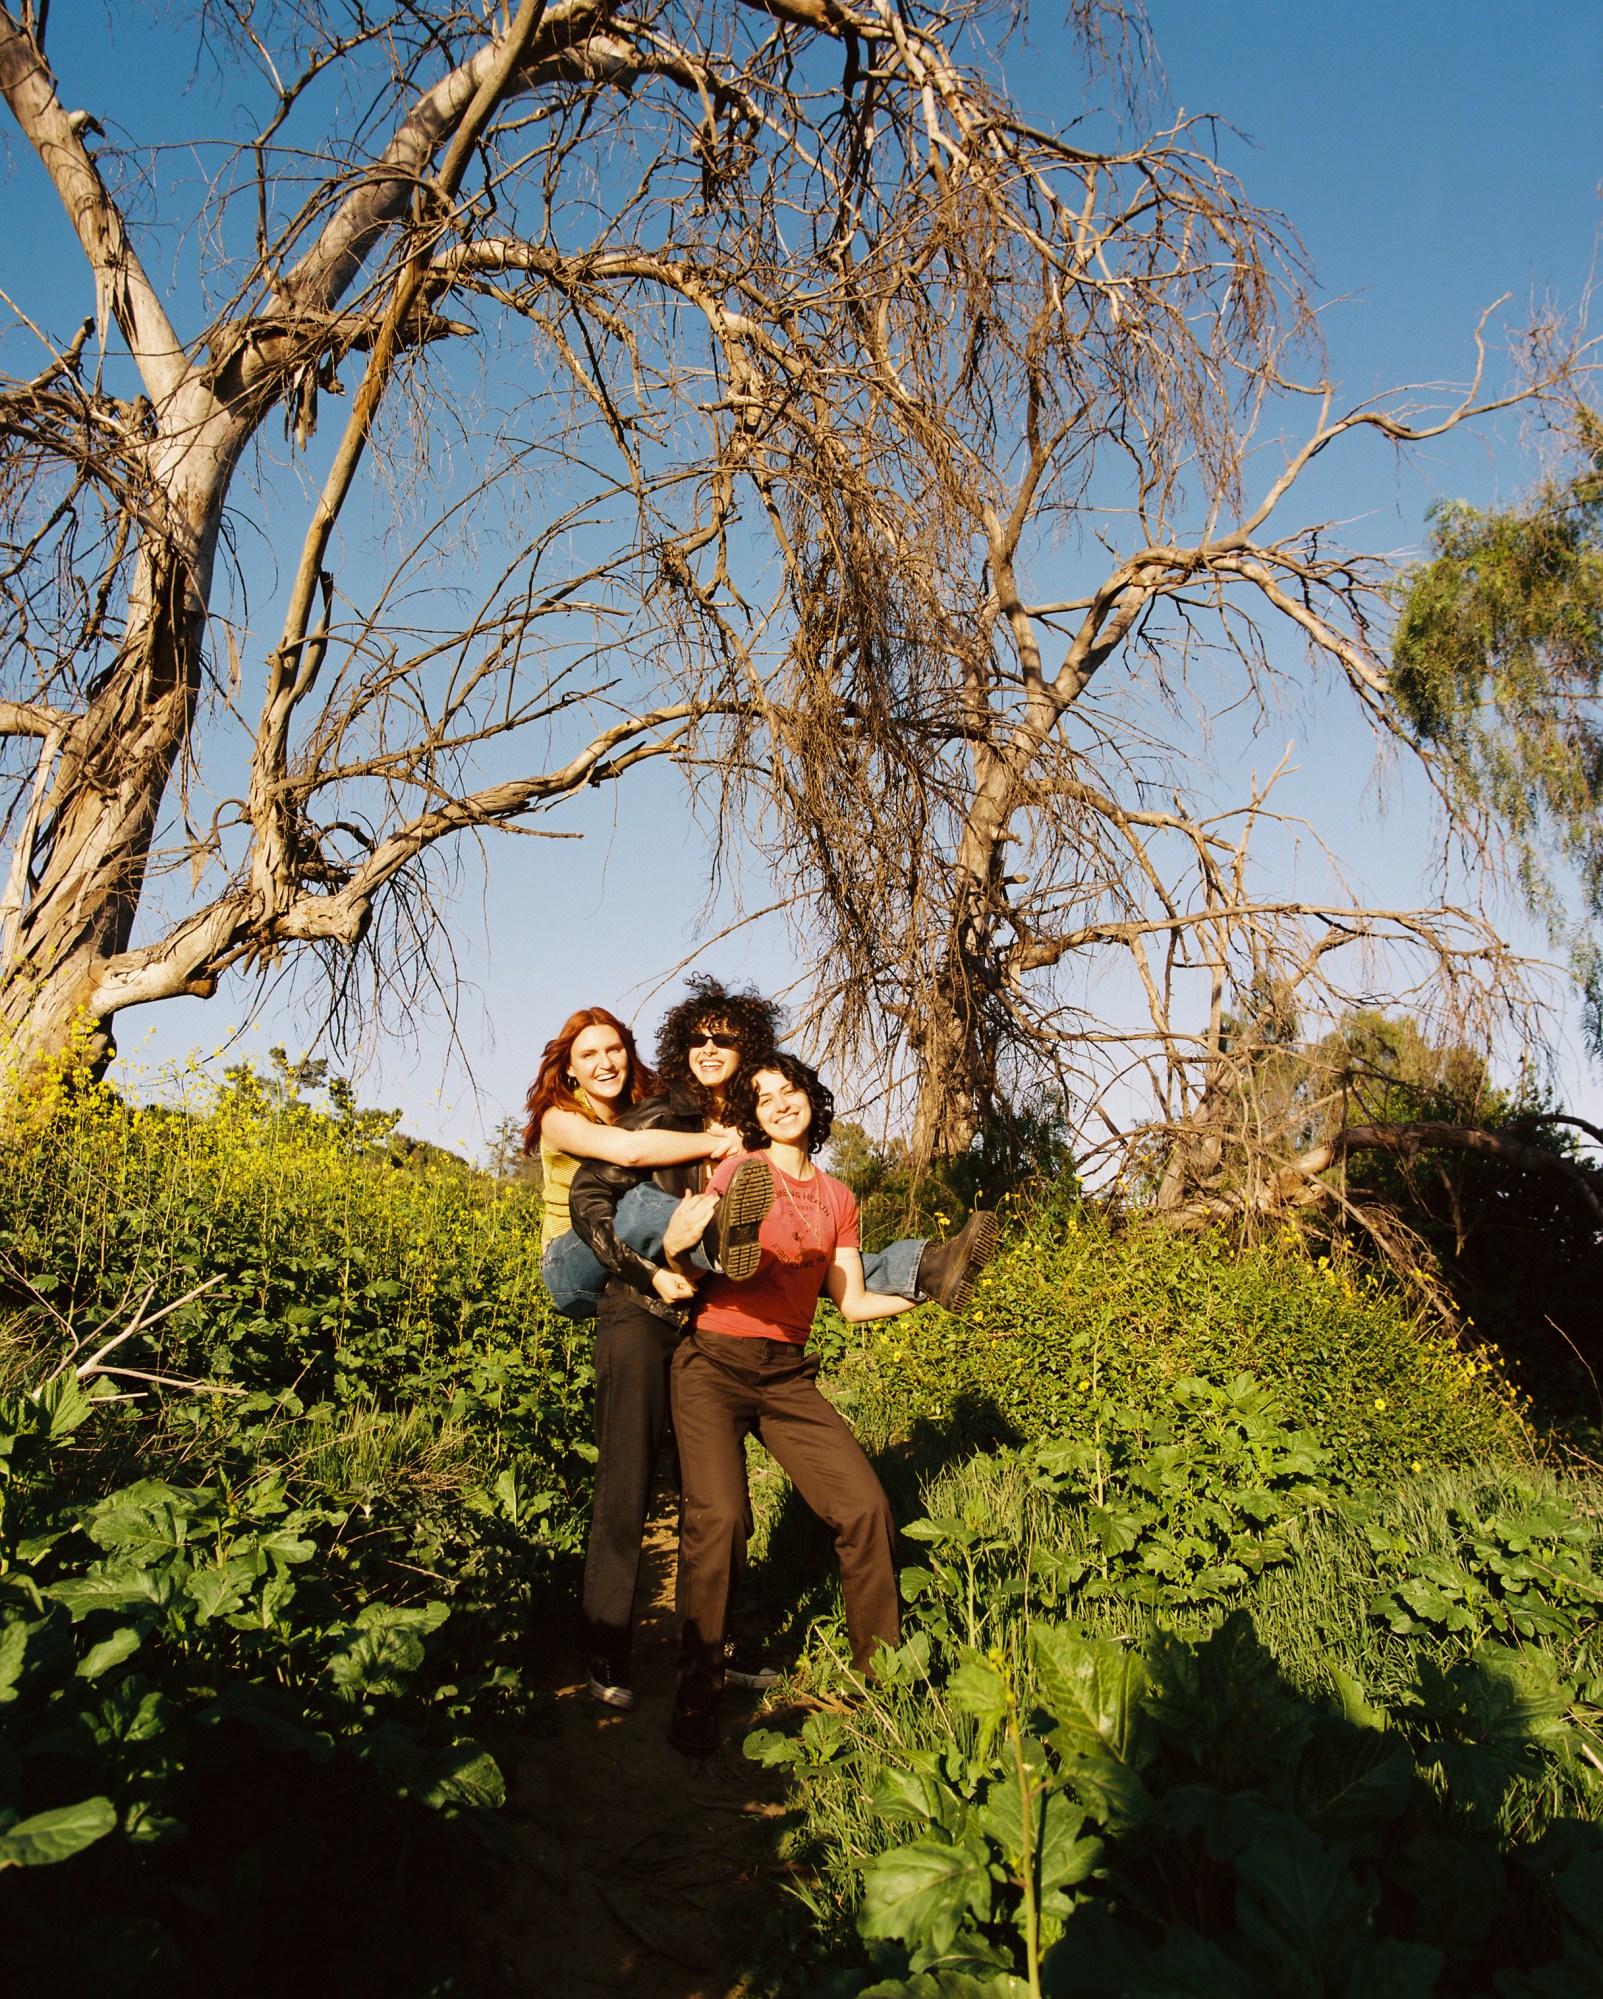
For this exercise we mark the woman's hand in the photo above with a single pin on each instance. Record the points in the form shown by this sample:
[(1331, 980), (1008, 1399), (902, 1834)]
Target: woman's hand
[(688, 1224), (671, 1288), (730, 1143)]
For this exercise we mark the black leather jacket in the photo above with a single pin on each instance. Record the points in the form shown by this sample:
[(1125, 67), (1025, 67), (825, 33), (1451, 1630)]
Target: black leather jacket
[(599, 1186)]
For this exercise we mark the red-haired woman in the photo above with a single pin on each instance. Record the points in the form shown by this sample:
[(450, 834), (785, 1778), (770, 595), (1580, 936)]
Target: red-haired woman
[(589, 1075)]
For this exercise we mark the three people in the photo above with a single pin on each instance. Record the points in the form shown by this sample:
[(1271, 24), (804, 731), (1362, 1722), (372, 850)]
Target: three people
[(635, 1245)]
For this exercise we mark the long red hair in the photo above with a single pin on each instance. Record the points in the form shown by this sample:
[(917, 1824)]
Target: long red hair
[(551, 1090)]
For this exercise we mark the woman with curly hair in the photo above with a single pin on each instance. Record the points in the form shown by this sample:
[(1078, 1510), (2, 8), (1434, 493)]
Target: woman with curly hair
[(745, 1371), (590, 1075)]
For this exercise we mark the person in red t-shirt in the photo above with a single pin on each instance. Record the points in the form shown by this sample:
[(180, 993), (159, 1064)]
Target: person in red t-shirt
[(745, 1369)]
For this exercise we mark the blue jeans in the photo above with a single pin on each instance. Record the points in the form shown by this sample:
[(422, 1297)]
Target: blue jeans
[(574, 1276)]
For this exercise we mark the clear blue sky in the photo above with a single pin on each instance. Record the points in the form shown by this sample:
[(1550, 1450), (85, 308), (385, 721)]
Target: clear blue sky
[(1433, 157)]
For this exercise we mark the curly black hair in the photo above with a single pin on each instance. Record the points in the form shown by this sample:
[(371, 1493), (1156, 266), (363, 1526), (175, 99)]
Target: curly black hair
[(710, 1003), (743, 1099)]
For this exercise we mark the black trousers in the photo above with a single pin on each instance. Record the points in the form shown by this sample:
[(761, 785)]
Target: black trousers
[(725, 1388), (632, 1354)]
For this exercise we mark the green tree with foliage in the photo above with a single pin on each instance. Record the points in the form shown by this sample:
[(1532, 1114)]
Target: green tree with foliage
[(1496, 665)]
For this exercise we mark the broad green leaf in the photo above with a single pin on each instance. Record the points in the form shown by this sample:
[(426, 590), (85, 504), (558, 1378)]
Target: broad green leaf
[(922, 1892), (424, 1617), (34, 1547), (376, 1656), (461, 1773), (1110, 1790), (507, 1492), (943, 1529), (1579, 1888), (464, 1773), (285, 1545), (273, 1715), (1064, 1857), (769, 1748), (1227, 1821), (1300, 1904), (1094, 1689), (1426, 1600), (1001, 1818), (147, 1521), (64, 1406), (979, 1689), (216, 1592), (278, 1592), (122, 1644), (913, 1796), (14, 1636), (1355, 1705), (133, 1711), (1100, 1956), (1117, 1528), (51, 1836), (1059, 1857), (1188, 1966), (1222, 1703), (1360, 1782), (115, 1589), (145, 1825), (909, 1662), (822, 1739)]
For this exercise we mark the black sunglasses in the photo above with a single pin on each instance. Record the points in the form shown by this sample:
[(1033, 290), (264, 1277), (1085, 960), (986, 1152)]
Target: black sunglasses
[(703, 1035)]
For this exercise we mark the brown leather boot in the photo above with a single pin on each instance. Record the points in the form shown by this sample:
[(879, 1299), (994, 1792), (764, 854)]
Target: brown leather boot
[(732, 1233), (947, 1270)]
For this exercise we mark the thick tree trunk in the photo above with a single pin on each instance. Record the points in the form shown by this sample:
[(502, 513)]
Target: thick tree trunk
[(946, 1111), (953, 1044), (92, 847)]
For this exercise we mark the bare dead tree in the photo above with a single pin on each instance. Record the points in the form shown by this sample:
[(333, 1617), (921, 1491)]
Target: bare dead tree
[(681, 251), (1014, 625)]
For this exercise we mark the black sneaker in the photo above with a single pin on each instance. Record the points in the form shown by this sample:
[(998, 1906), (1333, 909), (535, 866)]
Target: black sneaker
[(732, 1232), (609, 1684), (693, 1731), (744, 1666)]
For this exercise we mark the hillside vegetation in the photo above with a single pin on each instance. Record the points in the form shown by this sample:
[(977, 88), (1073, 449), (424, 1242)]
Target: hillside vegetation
[(1250, 1647)]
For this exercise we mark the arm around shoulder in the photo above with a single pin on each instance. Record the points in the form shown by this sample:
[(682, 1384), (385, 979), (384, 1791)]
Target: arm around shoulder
[(623, 1144)]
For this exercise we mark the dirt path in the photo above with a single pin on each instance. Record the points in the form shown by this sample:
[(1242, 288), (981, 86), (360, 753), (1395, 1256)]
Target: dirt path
[(646, 1873)]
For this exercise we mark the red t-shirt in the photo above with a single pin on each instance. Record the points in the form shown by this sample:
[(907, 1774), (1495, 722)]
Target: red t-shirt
[(809, 1221)]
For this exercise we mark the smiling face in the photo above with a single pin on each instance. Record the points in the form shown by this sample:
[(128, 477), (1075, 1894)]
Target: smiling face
[(714, 1055), (599, 1064), (784, 1112)]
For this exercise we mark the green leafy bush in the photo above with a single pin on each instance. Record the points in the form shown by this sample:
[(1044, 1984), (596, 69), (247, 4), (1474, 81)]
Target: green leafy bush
[(1177, 1711), (382, 1325), (1174, 1817), (205, 1726), (1070, 1315), (246, 1634)]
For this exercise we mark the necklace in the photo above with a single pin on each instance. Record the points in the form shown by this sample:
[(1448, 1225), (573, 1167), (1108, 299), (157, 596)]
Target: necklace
[(812, 1222)]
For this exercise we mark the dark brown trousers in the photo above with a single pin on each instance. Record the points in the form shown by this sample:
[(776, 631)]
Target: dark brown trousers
[(725, 1389)]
